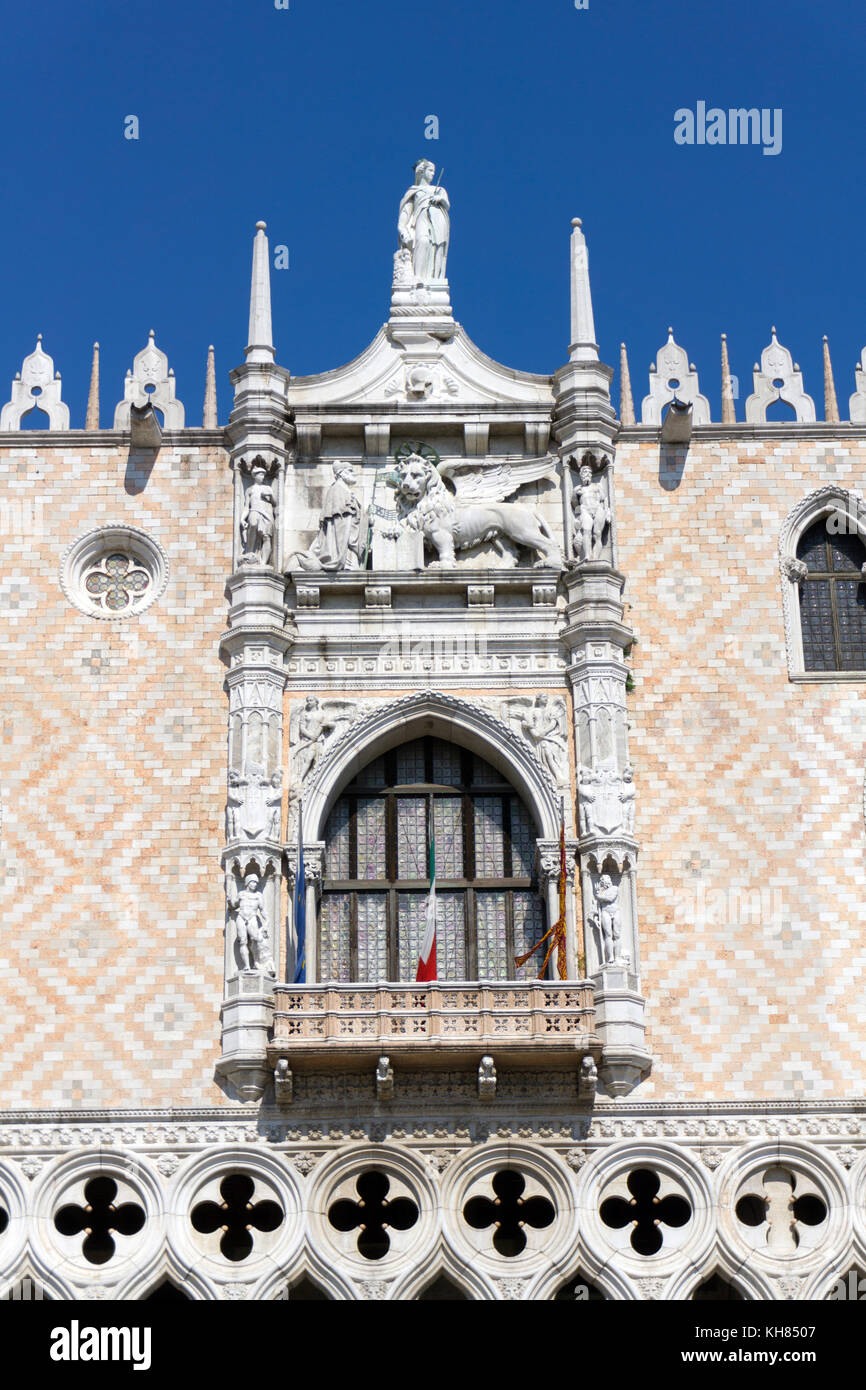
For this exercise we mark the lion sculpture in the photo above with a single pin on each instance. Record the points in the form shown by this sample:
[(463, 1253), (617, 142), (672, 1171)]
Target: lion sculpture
[(476, 515)]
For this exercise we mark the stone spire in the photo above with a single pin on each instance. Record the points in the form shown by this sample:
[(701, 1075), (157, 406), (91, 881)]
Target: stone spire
[(260, 348), (626, 403), (729, 412), (831, 405), (583, 416), (91, 420), (209, 418), (583, 346)]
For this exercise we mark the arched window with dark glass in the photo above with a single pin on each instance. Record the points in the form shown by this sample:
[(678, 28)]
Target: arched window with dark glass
[(832, 598), (376, 884)]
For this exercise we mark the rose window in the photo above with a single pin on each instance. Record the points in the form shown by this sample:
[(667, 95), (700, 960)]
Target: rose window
[(116, 582), (114, 572)]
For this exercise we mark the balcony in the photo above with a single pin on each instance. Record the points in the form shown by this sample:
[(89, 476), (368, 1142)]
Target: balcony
[(541, 1024)]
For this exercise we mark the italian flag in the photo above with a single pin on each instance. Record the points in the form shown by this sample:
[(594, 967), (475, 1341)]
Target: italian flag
[(427, 958)]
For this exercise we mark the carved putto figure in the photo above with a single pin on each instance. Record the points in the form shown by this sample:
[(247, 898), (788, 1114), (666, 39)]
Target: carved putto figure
[(253, 933), (627, 797), (254, 803), (542, 723), (474, 513), (234, 801), (605, 801), (591, 515), (342, 536), (257, 524), (424, 227)]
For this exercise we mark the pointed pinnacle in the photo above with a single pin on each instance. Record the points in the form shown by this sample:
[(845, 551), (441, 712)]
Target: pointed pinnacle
[(209, 416), (831, 405), (729, 410), (91, 419), (626, 402)]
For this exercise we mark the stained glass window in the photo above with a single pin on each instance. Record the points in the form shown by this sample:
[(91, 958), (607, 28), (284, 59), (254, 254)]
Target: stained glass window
[(833, 596), (374, 899)]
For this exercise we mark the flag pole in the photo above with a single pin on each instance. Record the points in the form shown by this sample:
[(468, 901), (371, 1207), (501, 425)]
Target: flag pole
[(300, 905)]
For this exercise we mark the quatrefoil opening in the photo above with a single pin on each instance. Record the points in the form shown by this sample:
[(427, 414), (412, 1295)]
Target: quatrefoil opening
[(509, 1213), (237, 1216), (645, 1212), (373, 1214), (98, 1219)]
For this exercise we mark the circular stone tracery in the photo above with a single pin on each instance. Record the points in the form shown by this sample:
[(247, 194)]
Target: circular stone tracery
[(116, 571), (115, 581)]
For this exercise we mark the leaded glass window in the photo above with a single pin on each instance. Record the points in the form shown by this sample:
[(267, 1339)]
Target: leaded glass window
[(832, 600), (374, 895)]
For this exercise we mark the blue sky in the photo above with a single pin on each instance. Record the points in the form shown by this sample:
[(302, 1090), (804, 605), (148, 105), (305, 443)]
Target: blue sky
[(312, 117)]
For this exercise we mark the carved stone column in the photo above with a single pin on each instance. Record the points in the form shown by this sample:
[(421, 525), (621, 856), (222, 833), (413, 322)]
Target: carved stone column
[(548, 878), (256, 647), (597, 641)]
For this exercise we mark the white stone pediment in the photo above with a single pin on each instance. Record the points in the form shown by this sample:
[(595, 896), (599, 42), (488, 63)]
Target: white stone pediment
[(424, 370)]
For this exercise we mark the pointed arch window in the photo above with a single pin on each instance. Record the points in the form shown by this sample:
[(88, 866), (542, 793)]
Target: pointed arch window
[(822, 554), (375, 887), (832, 597)]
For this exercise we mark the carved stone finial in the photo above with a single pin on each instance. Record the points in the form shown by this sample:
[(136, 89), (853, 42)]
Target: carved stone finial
[(209, 415), (778, 379), (150, 382), (831, 405), (36, 386), (261, 346), (91, 420), (857, 402), (626, 401), (671, 380), (729, 412)]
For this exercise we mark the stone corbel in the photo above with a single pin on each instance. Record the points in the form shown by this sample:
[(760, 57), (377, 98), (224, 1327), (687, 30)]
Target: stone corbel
[(283, 1083), (486, 1078), (384, 1079)]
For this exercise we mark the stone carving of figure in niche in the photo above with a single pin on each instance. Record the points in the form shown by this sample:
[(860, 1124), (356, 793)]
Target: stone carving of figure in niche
[(591, 515), (541, 724), (312, 729), (257, 526), (607, 922), (342, 537), (424, 225), (252, 926)]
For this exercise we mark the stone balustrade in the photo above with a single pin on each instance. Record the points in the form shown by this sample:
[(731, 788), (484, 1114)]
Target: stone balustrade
[(319, 1026)]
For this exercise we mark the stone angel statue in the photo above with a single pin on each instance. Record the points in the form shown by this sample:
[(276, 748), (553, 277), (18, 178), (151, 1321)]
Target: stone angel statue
[(542, 722), (312, 728), (459, 504)]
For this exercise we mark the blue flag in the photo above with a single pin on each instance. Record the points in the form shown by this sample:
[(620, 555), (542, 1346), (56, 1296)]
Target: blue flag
[(300, 907)]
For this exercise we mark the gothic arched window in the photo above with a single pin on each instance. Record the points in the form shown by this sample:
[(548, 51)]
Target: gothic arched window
[(832, 598), (376, 863)]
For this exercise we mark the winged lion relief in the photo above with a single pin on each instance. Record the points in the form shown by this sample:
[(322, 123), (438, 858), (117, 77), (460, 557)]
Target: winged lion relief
[(460, 505)]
